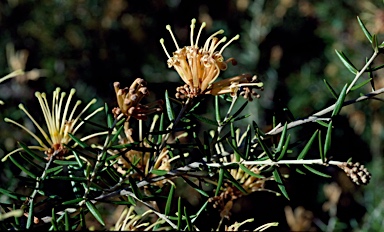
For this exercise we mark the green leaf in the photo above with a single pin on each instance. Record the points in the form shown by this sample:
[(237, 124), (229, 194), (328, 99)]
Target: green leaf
[(170, 113), (249, 172), (78, 141), (95, 212), (54, 169), (65, 162), (237, 112), (33, 154), (361, 84), (22, 168), (217, 109), (30, 215), (321, 148), (53, 220), (340, 101), (220, 181), (78, 159), (277, 177), (169, 200), (264, 146), (116, 135), (66, 220), (321, 122), (159, 172), (193, 185), (28, 159), (300, 172), (329, 87), (305, 150), (123, 146), (189, 224), (316, 172), (72, 202), (375, 68), (204, 119), (247, 142), (375, 45), (347, 63), (179, 214), (13, 195), (365, 30), (236, 151), (327, 143), (285, 148), (282, 138), (110, 119), (135, 189), (234, 181)]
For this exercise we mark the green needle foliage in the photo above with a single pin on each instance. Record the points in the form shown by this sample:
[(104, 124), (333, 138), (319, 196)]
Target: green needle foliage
[(164, 165)]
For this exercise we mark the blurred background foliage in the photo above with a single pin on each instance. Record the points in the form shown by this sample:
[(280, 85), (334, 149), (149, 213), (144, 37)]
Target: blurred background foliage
[(289, 44)]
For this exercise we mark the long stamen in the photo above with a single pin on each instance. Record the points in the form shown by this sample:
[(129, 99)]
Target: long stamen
[(12, 74), (213, 48), (78, 102), (226, 45), (193, 22), (210, 38), (168, 27), (198, 35), (86, 118), (165, 50), (58, 114), (47, 113), (93, 101), (63, 119), (21, 106), (21, 149), (27, 130)]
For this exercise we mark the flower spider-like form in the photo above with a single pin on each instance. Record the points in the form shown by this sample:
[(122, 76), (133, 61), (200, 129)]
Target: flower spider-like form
[(200, 67), (60, 122)]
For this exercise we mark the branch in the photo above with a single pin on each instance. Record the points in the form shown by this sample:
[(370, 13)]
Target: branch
[(279, 128)]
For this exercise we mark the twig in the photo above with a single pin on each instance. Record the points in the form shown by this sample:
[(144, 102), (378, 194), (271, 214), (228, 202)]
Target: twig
[(279, 128)]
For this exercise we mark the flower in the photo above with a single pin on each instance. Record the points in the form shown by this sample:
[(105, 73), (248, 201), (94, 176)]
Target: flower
[(9, 76), (245, 83), (198, 67), (129, 99), (18, 60), (130, 221), (58, 123)]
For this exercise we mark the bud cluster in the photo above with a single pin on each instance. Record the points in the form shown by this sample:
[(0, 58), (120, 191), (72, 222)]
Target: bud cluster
[(357, 172)]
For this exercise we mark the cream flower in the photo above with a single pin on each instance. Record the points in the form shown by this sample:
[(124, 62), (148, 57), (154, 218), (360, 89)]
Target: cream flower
[(17, 60), (199, 67), (59, 120)]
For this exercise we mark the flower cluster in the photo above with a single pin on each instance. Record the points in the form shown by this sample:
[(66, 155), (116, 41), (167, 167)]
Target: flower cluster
[(60, 122), (129, 99), (130, 221), (200, 67)]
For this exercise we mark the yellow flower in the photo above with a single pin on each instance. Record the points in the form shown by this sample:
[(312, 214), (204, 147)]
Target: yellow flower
[(130, 221), (199, 67), (129, 99), (59, 121)]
